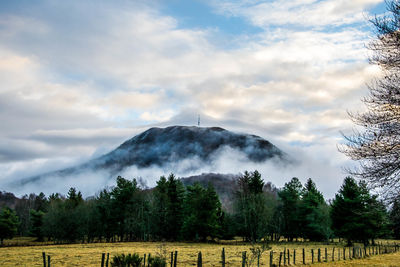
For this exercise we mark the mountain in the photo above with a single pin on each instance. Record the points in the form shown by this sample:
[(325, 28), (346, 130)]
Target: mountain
[(172, 145)]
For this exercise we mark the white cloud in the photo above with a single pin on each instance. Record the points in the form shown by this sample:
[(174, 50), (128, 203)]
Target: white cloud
[(75, 84), (303, 13)]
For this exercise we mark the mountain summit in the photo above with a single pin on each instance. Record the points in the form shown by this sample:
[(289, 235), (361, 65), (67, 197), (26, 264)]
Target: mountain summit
[(161, 147), (158, 146)]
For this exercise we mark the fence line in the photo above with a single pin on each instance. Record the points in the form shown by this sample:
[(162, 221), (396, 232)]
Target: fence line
[(279, 258)]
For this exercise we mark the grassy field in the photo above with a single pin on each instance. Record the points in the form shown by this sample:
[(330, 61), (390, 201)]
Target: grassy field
[(90, 254)]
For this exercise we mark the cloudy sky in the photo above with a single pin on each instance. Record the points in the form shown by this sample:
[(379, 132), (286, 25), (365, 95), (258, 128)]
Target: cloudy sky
[(79, 77)]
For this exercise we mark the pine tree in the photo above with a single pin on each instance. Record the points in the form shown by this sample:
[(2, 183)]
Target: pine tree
[(176, 194), (8, 224), (202, 213), (356, 215), (314, 214), (159, 209), (36, 224), (290, 198), (251, 210), (395, 218)]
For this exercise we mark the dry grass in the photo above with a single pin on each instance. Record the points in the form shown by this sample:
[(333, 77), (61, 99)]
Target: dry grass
[(387, 260), (90, 254)]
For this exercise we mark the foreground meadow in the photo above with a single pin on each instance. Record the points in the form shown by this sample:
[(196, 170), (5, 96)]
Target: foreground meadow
[(90, 254)]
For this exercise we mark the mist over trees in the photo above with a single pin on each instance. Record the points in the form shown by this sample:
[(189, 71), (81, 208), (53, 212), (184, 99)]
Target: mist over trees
[(377, 146), (174, 212)]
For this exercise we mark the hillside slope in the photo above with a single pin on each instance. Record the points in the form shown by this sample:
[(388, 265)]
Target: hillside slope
[(161, 147)]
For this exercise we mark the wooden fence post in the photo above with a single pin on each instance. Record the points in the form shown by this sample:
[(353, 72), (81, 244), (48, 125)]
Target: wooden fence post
[(319, 255), (172, 258), (326, 254), (103, 256), (284, 256), (294, 256), (48, 261), (223, 257), (344, 253), (108, 257), (244, 259), (44, 259), (304, 256), (288, 257), (258, 259), (338, 251), (354, 252), (271, 258), (148, 260), (199, 260), (175, 258), (144, 260), (312, 255), (333, 254), (280, 258)]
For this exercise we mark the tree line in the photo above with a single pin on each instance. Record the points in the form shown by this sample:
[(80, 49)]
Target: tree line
[(174, 212)]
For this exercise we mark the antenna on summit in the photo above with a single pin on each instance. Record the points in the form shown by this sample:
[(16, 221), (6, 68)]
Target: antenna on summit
[(198, 121)]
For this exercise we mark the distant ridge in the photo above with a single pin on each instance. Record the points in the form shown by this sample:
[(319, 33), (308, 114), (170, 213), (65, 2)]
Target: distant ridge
[(162, 146)]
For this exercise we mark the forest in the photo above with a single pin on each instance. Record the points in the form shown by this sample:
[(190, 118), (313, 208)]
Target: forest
[(173, 212)]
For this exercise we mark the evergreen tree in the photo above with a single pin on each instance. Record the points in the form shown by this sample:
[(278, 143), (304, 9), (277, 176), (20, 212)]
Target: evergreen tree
[(394, 216), (314, 214), (66, 217), (251, 209), (8, 224), (290, 198), (41, 202), (356, 215), (74, 198), (159, 212), (202, 213), (175, 194), (36, 224), (122, 202), (93, 224), (104, 210)]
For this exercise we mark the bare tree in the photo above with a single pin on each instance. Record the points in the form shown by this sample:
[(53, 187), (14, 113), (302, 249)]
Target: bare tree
[(377, 146)]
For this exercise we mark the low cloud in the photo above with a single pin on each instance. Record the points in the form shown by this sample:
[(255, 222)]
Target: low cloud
[(323, 169)]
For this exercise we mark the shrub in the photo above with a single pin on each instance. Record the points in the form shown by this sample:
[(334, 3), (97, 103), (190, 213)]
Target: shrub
[(130, 260), (157, 261)]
